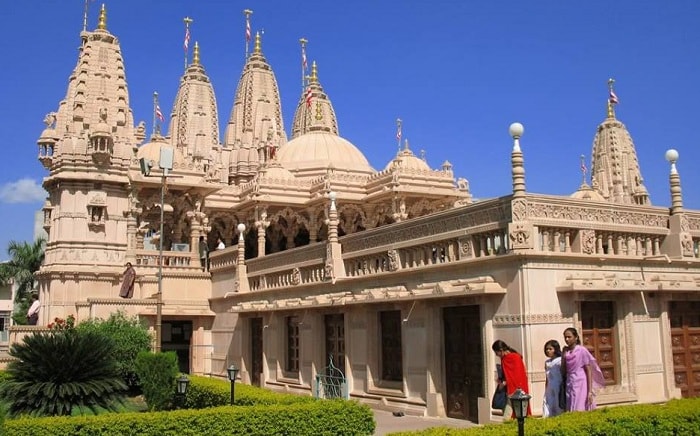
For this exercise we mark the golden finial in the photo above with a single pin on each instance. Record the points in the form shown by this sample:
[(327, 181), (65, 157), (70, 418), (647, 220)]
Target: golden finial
[(314, 73), (102, 22), (195, 54), (257, 49), (405, 144)]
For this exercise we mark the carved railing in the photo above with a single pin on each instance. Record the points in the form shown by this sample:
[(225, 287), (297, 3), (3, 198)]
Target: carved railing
[(171, 259), (557, 225)]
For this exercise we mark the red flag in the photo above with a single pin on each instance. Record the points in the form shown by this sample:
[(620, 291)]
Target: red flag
[(159, 114), (613, 97), (308, 97), (398, 132), (584, 168), (247, 29), (186, 45)]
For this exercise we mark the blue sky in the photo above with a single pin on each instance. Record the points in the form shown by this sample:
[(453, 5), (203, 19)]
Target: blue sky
[(456, 72)]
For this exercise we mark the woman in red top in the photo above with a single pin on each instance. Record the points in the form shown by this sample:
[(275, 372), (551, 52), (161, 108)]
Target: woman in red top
[(513, 372)]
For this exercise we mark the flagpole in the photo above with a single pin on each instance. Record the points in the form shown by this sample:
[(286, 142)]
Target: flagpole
[(303, 42), (247, 13), (155, 105), (398, 133), (187, 21), (85, 15), (584, 169)]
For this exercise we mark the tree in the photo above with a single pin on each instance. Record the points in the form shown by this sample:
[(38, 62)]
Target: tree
[(130, 337), (60, 370), (25, 259)]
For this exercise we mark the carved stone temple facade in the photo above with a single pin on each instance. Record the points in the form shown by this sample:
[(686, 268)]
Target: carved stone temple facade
[(396, 274)]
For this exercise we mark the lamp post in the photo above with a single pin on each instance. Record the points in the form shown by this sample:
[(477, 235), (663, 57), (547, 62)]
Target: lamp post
[(232, 374), (159, 300), (519, 401), (181, 387)]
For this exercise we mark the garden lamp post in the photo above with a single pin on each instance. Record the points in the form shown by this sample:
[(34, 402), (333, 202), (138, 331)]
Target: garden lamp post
[(182, 384), (232, 374), (519, 401)]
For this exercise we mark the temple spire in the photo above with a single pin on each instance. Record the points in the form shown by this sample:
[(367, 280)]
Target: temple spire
[(102, 21)]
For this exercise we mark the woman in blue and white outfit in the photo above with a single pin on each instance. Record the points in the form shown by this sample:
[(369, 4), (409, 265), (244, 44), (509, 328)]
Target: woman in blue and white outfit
[(553, 381)]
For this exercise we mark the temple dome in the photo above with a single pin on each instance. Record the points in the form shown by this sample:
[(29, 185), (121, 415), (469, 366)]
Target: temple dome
[(275, 171), (322, 150), (586, 192), (407, 160), (151, 152)]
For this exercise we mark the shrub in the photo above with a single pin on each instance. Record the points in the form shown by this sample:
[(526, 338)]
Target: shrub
[(157, 373), (130, 337), (58, 371), (210, 392), (317, 418)]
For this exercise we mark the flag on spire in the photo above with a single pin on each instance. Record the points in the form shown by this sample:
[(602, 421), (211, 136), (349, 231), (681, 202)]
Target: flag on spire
[(308, 96), (304, 64), (159, 114), (398, 130), (613, 97), (248, 32), (186, 44)]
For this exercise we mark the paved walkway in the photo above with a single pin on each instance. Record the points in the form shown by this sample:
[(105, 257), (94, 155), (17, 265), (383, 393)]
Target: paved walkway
[(388, 423)]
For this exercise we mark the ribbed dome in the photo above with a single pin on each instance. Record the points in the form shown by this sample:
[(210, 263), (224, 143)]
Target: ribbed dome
[(322, 150), (151, 152), (275, 171), (407, 160), (585, 192)]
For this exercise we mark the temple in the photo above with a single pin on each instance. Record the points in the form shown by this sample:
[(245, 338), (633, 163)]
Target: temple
[(396, 276)]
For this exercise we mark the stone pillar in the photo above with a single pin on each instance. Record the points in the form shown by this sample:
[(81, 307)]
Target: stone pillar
[(241, 268), (334, 268), (679, 242), (261, 225)]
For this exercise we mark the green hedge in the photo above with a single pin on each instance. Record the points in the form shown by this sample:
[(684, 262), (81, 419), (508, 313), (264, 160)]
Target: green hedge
[(208, 392), (677, 417), (318, 417)]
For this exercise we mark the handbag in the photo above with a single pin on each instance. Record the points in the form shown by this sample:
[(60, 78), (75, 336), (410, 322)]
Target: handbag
[(500, 398)]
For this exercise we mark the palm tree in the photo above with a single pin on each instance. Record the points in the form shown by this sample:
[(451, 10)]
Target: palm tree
[(59, 371), (25, 259)]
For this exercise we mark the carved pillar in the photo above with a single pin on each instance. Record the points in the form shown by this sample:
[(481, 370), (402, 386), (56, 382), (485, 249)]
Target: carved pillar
[(313, 230), (261, 225), (516, 159), (334, 267), (131, 241), (241, 268), (679, 243)]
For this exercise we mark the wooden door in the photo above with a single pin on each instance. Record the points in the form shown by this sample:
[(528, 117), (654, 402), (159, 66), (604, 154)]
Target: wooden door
[(464, 374), (335, 340), (685, 345), (256, 350), (598, 336)]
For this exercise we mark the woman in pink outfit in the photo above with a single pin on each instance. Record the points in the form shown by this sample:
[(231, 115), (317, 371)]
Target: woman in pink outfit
[(581, 372)]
